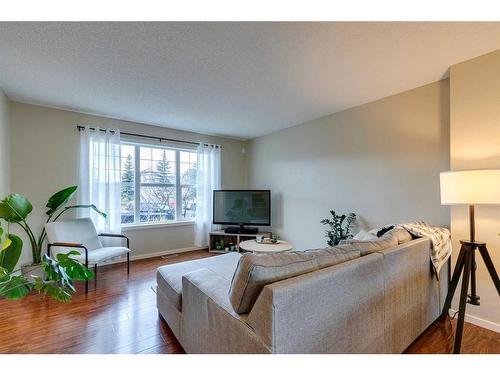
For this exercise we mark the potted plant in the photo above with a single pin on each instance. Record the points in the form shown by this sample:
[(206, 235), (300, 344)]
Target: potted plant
[(339, 227), (57, 274), (15, 209)]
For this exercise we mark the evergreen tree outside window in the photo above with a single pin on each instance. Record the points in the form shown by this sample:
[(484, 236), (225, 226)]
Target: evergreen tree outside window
[(127, 184)]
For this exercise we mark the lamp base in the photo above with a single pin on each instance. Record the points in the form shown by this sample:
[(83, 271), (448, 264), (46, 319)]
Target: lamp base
[(466, 266), (473, 299)]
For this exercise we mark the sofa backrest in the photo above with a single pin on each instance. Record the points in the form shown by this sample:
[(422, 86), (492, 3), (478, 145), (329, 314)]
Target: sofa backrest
[(254, 271), (339, 309), (80, 231)]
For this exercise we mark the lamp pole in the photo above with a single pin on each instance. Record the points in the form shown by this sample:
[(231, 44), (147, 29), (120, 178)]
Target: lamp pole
[(472, 223)]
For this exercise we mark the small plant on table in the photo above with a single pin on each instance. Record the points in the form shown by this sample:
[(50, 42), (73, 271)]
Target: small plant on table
[(339, 227)]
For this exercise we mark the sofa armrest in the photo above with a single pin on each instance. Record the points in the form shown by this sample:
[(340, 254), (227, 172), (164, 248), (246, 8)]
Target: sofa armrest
[(339, 309), (209, 322)]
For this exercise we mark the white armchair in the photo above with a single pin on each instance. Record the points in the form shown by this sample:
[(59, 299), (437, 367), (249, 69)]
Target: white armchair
[(81, 235)]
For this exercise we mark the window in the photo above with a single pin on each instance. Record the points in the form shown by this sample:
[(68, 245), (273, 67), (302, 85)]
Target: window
[(158, 184)]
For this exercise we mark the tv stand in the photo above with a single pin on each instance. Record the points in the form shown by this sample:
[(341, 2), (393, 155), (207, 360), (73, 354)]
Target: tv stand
[(227, 239), (241, 230)]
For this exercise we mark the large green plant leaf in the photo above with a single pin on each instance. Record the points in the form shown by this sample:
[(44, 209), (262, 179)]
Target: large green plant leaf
[(4, 242), (52, 289), (15, 208), (54, 272), (4, 274), (59, 199), (91, 206), (56, 292), (74, 269), (15, 287), (10, 255)]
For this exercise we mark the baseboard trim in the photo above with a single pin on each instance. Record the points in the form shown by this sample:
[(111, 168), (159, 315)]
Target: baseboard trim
[(492, 326), (154, 255)]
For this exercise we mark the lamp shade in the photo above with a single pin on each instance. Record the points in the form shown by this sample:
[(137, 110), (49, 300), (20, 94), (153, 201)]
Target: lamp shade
[(470, 187)]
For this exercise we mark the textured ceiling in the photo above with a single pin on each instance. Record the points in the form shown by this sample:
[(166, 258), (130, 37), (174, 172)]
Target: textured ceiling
[(240, 80)]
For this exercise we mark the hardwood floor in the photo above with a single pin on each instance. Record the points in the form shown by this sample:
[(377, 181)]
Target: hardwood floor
[(121, 317), (439, 338)]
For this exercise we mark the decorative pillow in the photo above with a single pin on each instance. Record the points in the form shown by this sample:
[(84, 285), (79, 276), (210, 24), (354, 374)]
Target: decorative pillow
[(384, 230), (401, 234), (392, 238), (363, 235), (255, 271), (374, 231)]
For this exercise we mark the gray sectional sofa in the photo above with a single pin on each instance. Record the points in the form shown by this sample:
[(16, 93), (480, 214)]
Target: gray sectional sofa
[(354, 298)]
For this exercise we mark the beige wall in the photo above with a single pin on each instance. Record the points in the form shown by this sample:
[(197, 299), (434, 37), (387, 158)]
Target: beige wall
[(380, 160), (475, 144), (45, 155), (4, 145)]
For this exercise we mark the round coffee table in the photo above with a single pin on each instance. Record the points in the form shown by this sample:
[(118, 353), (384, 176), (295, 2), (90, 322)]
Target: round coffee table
[(251, 245)]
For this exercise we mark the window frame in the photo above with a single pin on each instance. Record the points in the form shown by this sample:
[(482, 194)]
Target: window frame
[(137, 224)]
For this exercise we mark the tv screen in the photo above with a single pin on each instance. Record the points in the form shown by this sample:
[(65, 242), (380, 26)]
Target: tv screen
[(242, 207)]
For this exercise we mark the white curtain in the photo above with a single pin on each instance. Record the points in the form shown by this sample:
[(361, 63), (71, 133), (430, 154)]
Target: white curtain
[(207, 180), (100, 177)]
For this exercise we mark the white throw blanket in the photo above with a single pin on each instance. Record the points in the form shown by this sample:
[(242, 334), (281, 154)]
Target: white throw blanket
[(440, 238)]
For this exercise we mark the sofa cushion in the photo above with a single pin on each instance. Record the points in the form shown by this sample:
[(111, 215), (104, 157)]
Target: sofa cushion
[(97, 255), (255, 271), (392, 238), (169, 277)]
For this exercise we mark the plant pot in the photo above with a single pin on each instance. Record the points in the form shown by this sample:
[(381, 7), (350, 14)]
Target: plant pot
[(30, 270)]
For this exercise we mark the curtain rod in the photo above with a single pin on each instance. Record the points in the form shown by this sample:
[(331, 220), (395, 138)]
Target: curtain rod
[(80, 128)]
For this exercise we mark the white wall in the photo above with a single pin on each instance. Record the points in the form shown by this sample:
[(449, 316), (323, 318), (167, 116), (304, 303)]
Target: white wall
[(380, 160), (475, 144), (45, 155), (4, 145)]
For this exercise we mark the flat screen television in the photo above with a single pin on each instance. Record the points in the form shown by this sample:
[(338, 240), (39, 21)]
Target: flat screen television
[(242, 207)]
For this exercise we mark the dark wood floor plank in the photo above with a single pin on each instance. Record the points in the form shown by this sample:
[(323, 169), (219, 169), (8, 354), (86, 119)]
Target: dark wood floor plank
[(439, 339), (120, 316)]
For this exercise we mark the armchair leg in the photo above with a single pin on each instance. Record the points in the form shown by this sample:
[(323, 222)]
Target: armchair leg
[(95, 276), (128, 263), (86, 266)]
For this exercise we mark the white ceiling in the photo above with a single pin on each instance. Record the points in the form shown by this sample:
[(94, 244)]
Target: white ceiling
[(240, 80)]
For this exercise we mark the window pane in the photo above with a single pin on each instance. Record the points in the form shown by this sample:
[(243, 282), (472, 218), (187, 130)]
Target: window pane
[(158, 154), (157, 165), (127, 184), (185, 156), (188, 168), (188, 208), (146, 153), (157, 204)]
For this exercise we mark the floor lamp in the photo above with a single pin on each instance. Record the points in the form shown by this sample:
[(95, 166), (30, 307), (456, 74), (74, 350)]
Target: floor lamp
[(469, 187)]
